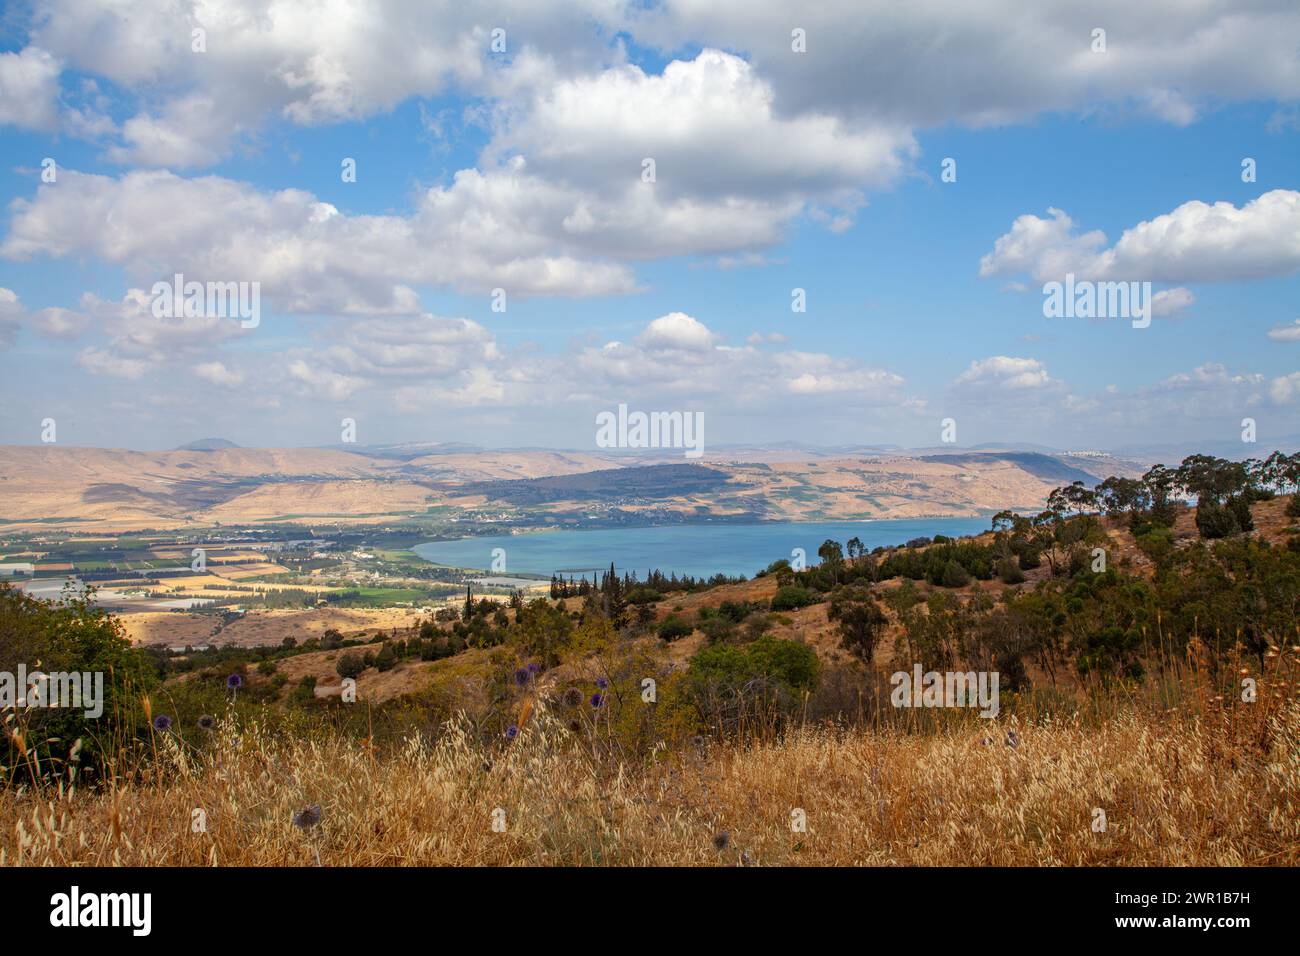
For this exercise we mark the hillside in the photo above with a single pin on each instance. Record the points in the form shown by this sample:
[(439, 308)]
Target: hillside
[(112, 490)]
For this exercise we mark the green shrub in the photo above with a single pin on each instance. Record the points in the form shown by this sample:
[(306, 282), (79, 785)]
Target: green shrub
[(792, 597), (673, 627), (1214, 520), (69, 637), (955, 576), (350, 665), (728, 669), (1009, 571)]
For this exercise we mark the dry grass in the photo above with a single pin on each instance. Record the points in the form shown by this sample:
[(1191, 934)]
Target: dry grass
[(1176, 789)]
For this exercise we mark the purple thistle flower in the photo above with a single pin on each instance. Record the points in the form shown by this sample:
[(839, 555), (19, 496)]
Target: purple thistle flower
[(522, 676), (162, 722), (308, 817), (534, 668), (597, 700), (602, 683), (512, 732), (207, 722), (234, 681)]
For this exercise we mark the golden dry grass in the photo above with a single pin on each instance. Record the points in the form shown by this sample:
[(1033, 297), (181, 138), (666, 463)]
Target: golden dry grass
[(1176, 790)]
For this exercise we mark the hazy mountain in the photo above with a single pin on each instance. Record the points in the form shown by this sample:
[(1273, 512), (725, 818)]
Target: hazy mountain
[(208, 444)]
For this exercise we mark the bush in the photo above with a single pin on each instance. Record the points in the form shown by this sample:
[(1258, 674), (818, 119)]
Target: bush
[(718, 629), (266, 668), (1029, 559), (673, 627), (70, 637), (1239, 505), (729, 670), (643, 595), (1293, 507), (1214, 520), (1009, 571), (955, 576), (305, 692), (792, 597), (386, 660), (350, 665)]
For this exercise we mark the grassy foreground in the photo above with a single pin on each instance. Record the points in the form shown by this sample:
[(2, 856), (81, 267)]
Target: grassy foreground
[(1175, 789)]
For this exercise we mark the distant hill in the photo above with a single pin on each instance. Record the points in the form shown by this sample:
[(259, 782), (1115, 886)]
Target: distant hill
[(208, 444), (647, 481), (1049, 469)]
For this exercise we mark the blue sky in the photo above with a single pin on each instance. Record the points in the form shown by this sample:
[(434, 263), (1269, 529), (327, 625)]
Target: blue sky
[(775, 170)]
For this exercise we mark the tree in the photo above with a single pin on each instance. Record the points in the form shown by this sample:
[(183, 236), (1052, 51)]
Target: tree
[(1161, 484), (72, 636), (832, 556), (860, 619), (854, 545)]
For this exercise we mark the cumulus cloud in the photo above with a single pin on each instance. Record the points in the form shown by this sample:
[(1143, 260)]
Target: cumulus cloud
[(479, 233), (1286, 333), (136, 342), (1170, 302), (29, 89), (1285, 389), (677, 330), (931, 62), (323, 62), (1003, 373), (1197, 242), (53, 322), (709, 126)]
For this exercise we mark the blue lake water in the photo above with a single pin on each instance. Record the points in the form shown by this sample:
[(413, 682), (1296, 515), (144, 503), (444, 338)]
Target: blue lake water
[(699, 550)]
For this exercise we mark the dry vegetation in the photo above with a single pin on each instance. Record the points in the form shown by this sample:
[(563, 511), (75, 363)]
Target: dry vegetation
[(1220, 789)]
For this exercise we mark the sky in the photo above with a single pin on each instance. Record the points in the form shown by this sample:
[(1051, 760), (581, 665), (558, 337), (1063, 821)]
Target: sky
[(559, 208)]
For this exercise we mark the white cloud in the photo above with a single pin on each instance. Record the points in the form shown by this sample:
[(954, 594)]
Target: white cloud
[(1196, 242), (307, 63), (53, 323), (1170, 302), (1286, 333), (218, 374), (1285, 388), (709, 126), (931, 62), (11, 312), (99, 361), (677, 330), (1003, 373), (136, 341), (29, 89), (478, 234)]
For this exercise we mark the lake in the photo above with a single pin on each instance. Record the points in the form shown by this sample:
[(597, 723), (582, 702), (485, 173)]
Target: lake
[(699, 550)]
